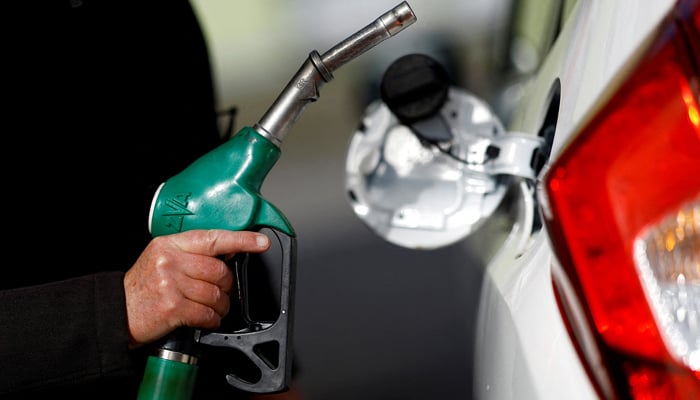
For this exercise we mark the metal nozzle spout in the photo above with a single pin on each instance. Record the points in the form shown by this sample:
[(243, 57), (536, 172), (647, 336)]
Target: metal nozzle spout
[(387, 25), (398, 18), (304, 87)]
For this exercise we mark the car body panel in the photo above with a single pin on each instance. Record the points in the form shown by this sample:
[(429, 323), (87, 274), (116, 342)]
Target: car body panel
[(523, 349), (590, 57)]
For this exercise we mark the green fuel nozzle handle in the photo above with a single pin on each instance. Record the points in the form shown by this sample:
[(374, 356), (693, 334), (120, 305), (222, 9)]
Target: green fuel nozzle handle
[(221, 190)]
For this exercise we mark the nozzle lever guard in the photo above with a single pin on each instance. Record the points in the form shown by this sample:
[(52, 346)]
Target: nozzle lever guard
[(274, 374)]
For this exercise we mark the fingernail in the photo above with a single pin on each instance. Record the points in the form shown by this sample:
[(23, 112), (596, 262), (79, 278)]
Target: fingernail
[(262, 240)]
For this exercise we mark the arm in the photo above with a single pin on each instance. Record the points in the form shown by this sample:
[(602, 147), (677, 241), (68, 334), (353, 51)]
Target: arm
[(79, 331), (73, 330)]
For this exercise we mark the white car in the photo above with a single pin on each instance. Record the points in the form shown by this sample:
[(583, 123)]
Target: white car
[(584, 203)]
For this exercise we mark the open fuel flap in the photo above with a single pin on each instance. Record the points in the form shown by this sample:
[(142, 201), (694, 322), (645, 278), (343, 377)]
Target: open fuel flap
[(431, 162)]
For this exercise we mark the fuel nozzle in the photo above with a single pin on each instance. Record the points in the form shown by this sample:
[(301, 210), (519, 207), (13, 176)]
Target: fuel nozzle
[(221, 190), (318, 69)]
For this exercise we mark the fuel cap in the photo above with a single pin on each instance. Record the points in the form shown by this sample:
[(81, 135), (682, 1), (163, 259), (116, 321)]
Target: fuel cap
[(415, 88)]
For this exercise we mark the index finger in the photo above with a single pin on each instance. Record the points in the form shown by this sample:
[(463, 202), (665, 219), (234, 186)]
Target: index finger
[(217, 242)]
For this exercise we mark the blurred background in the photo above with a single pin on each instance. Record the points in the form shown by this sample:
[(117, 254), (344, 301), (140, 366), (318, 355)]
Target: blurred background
[(373, 320)]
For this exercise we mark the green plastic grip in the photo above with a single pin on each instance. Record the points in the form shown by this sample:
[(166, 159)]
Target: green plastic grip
[(167, 380), (221, 190)]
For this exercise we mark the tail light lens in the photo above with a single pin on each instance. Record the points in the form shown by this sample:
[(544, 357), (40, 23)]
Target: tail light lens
[(625, 201)]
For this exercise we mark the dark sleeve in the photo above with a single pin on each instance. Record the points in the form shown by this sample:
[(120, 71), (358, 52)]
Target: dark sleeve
[(70, 331)]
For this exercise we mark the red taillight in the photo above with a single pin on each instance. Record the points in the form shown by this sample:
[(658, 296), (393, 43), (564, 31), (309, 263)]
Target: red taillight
[(625, 196)]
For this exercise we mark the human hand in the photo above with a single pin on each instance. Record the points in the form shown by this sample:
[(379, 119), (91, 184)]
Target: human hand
[(183, 280)]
